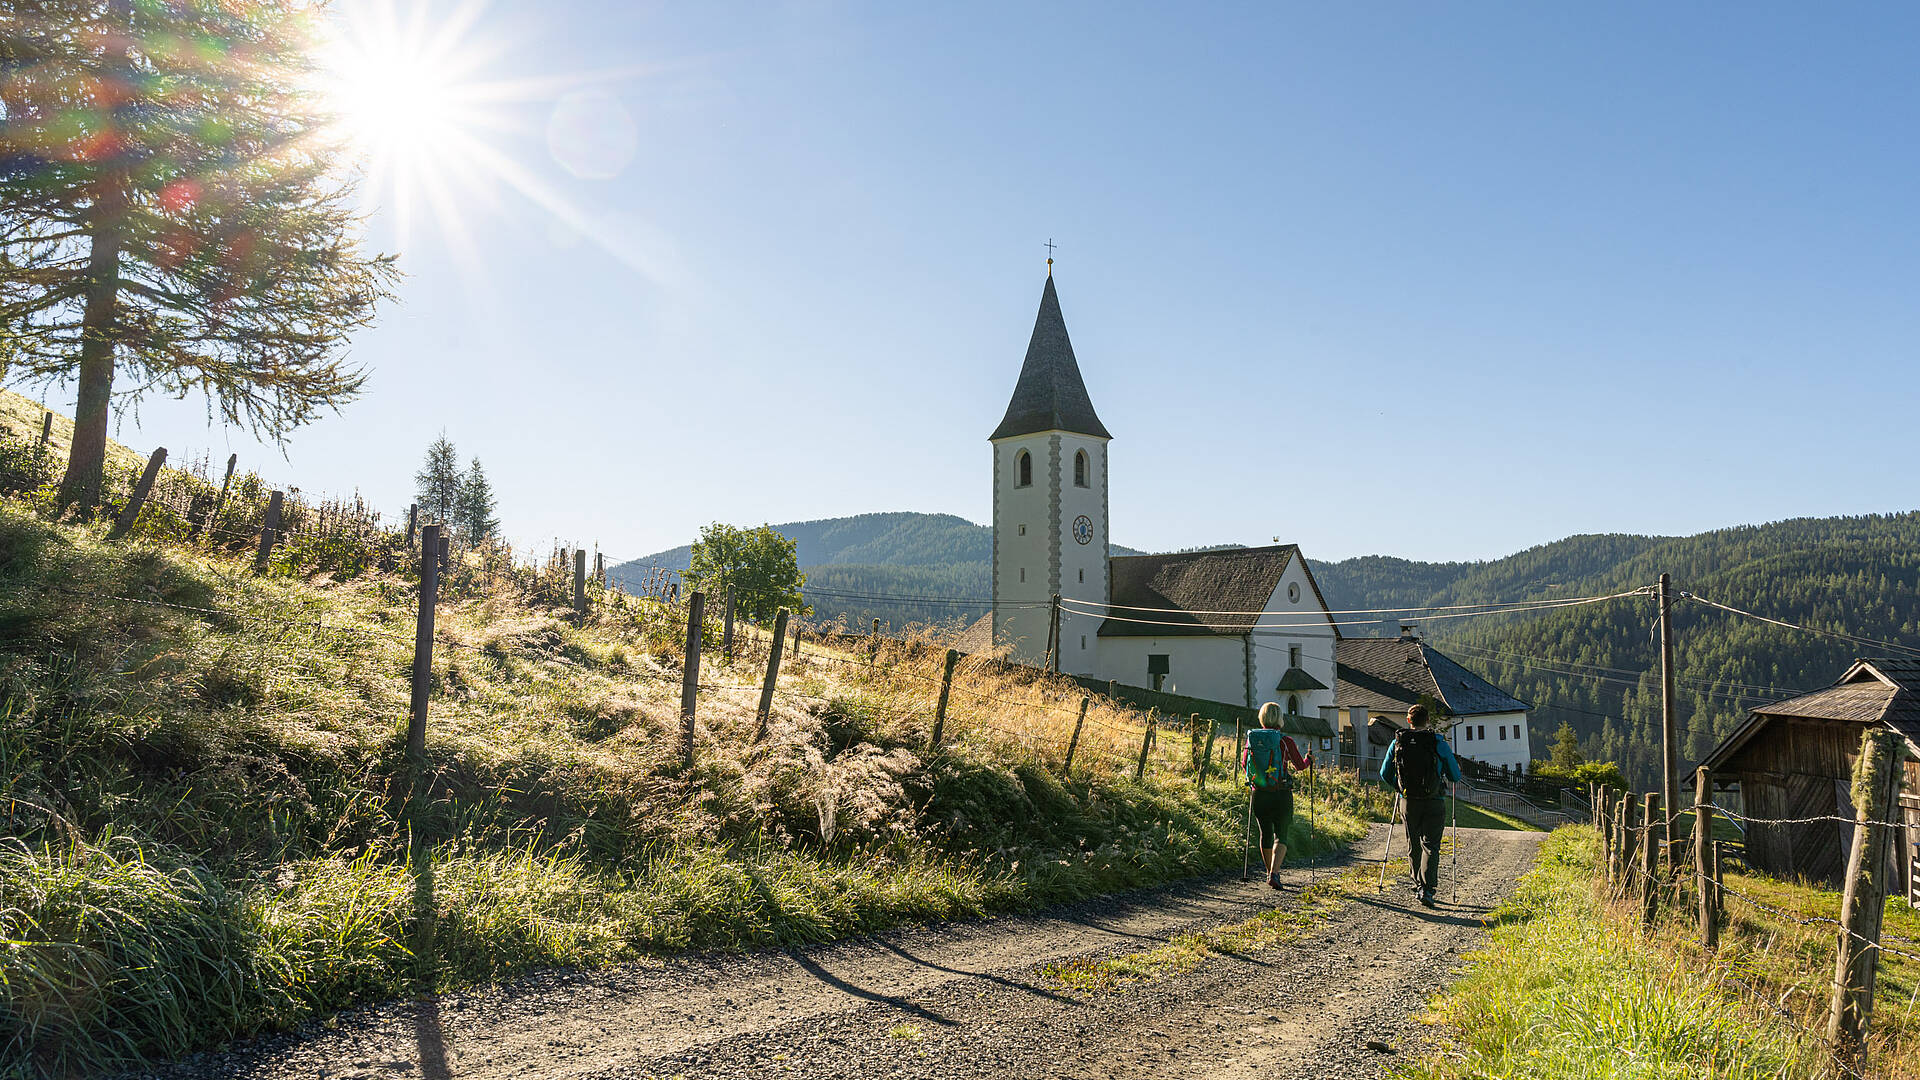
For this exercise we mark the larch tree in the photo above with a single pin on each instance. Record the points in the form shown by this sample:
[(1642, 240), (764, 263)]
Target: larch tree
[(438, 484), (474, 516), (174, 217)]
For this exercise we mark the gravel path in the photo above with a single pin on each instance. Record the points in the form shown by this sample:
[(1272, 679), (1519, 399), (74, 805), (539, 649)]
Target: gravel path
[(951, 1001)]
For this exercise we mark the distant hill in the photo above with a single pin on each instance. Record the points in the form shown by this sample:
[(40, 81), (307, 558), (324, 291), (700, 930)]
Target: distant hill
[(856, 567)]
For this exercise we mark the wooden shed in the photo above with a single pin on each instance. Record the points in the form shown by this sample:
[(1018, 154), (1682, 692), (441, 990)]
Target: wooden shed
[(1794, 759)]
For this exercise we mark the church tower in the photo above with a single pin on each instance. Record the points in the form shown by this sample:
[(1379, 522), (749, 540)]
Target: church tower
[(1049, 503)]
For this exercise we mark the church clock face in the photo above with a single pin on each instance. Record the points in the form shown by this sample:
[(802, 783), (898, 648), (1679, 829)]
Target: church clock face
[(1083, 529)]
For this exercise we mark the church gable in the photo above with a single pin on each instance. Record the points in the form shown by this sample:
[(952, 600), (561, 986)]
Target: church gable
[(1190, 586)]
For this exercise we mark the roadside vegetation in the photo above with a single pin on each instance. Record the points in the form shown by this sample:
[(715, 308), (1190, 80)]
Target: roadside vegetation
[(1568, 986), (203, 773)]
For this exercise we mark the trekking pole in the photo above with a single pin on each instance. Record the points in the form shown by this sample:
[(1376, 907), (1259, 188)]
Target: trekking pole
[(1313, 864), (1246, 837), (1388, 853), (1453, 872)]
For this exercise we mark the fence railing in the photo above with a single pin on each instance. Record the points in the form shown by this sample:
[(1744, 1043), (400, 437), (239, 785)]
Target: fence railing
[(1649, 864)]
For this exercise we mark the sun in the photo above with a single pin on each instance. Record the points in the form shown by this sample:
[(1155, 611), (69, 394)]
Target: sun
[(408, 105)]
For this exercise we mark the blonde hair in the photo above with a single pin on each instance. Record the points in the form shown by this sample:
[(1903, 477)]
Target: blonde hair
[(1270, 715)]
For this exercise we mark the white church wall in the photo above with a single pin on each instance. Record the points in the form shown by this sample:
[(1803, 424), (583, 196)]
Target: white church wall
[(1204, 667), (1294, 602), (1484, 743), (1020, 558), (1083, 567)]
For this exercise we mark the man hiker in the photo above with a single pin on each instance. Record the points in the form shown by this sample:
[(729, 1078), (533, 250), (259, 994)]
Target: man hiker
[(1418, 766), (1268, 759)]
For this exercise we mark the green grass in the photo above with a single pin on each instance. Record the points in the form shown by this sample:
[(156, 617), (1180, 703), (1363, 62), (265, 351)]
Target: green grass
[(1566, 989), (204, 810), (1469, 816)]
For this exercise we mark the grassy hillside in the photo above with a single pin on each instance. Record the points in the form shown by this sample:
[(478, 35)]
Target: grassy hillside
[(206, 780)]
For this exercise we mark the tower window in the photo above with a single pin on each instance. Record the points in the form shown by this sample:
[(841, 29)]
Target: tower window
[(1293, 656), (1023, 470), (1083, 641), (1080, 469), (1083, 575), (1023, 530), (1023, 575), (1293, 704)]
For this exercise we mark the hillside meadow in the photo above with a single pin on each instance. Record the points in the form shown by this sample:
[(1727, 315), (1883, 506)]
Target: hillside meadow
[(205, 785)]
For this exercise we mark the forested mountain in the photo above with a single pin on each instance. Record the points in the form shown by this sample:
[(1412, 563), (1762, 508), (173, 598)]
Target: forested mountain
[(1597, 666)]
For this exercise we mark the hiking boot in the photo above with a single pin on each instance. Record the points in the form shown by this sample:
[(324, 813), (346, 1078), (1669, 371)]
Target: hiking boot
[(1426, 898), (1273, 881)]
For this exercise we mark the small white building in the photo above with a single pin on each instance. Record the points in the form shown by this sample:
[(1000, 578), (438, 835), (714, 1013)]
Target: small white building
[(1244, 626), (1379, 678)]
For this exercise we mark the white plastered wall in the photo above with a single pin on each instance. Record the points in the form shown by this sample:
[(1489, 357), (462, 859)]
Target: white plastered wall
[(1205, 667), (1294, 603), (1514, 751)]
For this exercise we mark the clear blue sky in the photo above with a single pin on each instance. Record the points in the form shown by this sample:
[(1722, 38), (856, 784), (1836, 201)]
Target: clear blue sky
[(1440, 281)]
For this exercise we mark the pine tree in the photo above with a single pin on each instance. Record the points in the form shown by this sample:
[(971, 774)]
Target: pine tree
[(1566, 748), (473, 517), (439, 483), (172, 208)]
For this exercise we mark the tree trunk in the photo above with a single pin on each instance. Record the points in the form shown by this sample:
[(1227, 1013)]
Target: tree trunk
[(87, 457)]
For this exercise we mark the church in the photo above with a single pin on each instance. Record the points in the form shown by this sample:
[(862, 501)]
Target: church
[(1244, 626)]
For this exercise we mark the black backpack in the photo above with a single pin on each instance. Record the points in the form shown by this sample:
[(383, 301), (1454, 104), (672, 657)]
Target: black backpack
[(1416, 764)]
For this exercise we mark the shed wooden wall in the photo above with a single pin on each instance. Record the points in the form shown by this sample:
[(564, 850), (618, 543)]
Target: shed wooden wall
[(1799, 768)]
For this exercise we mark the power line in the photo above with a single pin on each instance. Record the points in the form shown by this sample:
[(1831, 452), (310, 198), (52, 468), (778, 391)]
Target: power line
[(1857, 639)]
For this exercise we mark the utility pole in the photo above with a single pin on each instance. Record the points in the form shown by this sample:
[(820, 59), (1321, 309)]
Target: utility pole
[(1669, 726), (1053, 635)]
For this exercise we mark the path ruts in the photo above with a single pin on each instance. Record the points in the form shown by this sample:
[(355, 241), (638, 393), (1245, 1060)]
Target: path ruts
[(954, 1001)]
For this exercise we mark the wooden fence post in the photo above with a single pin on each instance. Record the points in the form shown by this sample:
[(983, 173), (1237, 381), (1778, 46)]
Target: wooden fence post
[(446, 552), (423, 655), (202, 521), (940, 708), (413, 522), (873, 646), (269, 533), (600, 568), (1146, 743), (1193, 741), (726, 633), (773, 674), (1651, 859), (1703, 855), (1628, 841), (1863, 905), (1206, 758), (1074, 743), (690, 675), (140, 492), (796, 637), (580, 587), (1604, 824), (46, 429)]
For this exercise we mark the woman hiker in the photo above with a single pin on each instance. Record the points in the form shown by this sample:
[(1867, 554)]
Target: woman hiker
[(1418, 765), (1268, 759)]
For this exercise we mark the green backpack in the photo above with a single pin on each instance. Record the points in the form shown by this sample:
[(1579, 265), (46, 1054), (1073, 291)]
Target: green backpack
[(1266, 760)]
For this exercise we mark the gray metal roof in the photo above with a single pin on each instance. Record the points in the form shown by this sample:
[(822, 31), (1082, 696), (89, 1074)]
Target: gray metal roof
[(1390, 674), (1050, 395)]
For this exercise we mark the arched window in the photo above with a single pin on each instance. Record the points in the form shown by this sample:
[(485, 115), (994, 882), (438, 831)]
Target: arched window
[(1080, 469), (1023, 470), (1293, 704)]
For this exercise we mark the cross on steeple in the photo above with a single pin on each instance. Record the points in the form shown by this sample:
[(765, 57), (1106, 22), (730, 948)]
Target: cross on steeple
[(1050, 246)]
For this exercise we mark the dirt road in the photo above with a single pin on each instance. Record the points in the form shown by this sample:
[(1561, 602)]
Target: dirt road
[(964, 1000)]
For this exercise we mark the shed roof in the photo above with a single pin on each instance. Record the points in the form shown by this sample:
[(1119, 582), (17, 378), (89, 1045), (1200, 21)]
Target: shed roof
[(1871, 691), (1050, 395), (1174, 587), (1389, 674)]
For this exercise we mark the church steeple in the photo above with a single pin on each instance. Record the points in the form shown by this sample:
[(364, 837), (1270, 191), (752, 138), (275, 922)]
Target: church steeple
[(1050, 395)]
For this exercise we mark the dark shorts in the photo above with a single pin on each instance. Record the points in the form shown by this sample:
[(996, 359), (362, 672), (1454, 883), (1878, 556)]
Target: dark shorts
[(1273, 809)]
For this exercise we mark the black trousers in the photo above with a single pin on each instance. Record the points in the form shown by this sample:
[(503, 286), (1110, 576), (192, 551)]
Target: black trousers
[(1426, 824)]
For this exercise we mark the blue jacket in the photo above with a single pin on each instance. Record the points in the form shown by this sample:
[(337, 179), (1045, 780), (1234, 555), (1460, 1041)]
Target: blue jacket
[(1449, 766)]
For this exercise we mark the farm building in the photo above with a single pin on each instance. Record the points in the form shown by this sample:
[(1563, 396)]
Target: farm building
[(1378, 678), (1793, 760)]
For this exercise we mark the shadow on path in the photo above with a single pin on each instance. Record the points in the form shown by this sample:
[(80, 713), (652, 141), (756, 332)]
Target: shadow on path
[(1008, 983), (813, 968)]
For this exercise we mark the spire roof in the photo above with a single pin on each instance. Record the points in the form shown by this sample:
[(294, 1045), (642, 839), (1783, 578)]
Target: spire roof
[(1050, 395)]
